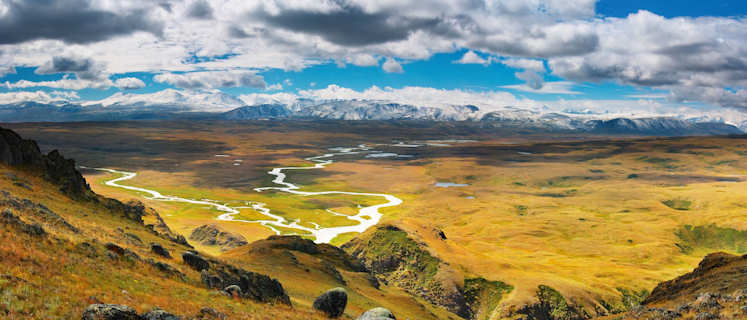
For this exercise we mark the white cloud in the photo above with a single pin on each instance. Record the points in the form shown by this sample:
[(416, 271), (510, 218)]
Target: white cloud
[(696, 59), (553, 87), (212, 79), (274, 87), (129, 83), (470, 57), (65, 83), (364, 60), (392, 66), (35, 96)]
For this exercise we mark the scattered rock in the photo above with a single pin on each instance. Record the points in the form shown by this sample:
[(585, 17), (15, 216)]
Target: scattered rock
[(22, 184), (707, 316), (158, 314), (210, 314), (233, 290), (441, 234), (211, 281), (9, 218), (194, 261), (332, 302), (133, 239), (214, 235), (39, 210), (160, 250), (87, 249), (707, 301), (114, 248), (110, 312), (165, 268), (377, 314)]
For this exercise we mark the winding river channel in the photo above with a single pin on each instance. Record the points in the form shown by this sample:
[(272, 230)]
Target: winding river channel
[(365, 218)]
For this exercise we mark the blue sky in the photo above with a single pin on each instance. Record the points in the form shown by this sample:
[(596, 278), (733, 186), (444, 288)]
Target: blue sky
[(674, 53)]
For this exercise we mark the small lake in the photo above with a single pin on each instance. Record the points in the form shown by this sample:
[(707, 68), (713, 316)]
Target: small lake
[(450, 184)]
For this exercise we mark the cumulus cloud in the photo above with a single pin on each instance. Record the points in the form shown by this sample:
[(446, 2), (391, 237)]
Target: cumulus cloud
[(470, 57), (36, 96), (212, 79), (65, 83), (348, 24), (392, 66), (694, 59), (83, 68), (200, 9), (553, 87), (74, 21), (129, 83)]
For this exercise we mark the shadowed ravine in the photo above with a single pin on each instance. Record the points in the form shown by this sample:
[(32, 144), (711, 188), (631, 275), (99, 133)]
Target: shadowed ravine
[(366, 216)]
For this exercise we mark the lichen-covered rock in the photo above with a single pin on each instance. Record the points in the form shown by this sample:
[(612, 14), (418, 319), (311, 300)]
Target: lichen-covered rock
[(194, 261), (233, 290), (332, 302), (209, 314), (377, 314), (214, 235), (110, 312), (158, 314)]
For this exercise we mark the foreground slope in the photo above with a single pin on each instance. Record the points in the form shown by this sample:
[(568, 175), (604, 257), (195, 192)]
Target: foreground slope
[(65, 247)]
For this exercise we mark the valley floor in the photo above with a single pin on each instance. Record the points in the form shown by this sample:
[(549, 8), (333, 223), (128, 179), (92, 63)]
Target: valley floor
[(600, 220)]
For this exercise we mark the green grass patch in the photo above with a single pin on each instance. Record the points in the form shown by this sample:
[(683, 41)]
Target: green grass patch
[(484, 295), (678, 204), (711, 237)]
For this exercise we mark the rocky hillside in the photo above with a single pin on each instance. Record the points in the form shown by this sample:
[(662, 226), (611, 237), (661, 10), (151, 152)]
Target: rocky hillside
[(25, 154), (716, 289)]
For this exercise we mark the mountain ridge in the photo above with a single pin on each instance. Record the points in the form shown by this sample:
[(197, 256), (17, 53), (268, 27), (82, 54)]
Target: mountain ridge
[(175, 105)]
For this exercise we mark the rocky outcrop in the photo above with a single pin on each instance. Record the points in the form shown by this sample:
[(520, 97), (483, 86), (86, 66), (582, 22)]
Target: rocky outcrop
[(194, 261), (716, 289), (219, 275), (34, 229), (16, 151), (122, 312), (110, 312), (332, 303), (326, 252), (552, 305), (397, 259), (377, 314), (214, 235), (718, 272)]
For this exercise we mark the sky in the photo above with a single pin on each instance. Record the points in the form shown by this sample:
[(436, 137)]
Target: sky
[(675, 58)]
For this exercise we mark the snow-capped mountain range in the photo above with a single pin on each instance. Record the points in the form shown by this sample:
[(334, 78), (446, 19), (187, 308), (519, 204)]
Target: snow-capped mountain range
[(175, 104)]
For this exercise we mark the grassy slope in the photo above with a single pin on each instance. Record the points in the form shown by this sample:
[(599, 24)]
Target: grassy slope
[(58, 279), (585, 219)]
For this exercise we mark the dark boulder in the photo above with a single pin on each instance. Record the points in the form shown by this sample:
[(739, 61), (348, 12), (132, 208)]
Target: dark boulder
[(210, 280), (158, 314), (377, 314), (110, 312), (332, 302), (194, 261), (159, 250)]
